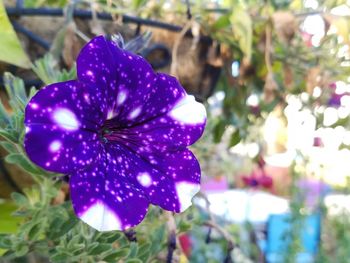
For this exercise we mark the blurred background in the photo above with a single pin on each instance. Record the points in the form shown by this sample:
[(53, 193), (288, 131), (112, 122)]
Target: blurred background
[(274, 76)]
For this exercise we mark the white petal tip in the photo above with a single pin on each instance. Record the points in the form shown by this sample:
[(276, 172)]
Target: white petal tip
[(100, 217), (189, 111), (185, 192)]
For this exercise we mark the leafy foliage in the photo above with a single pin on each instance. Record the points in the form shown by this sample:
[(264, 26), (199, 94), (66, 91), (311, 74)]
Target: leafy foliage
[(48, 225), (275, 61), (45, 224)]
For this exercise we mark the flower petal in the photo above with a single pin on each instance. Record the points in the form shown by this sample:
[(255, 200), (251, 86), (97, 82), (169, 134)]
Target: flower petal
[(188, 111), (96, 67), (126, 83), (169, 180), (147, 98), (142, 99), (105, 199), (181, 126), (60, 123), (119, 77), (60, 151)]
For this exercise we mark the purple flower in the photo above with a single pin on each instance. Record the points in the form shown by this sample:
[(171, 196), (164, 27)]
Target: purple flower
[(335, 100), (121, 132), (318, 142), (250, 181), (258, 179)]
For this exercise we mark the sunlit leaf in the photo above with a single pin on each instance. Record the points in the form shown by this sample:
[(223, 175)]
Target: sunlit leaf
[(11, 50), (218, 131), (235, 138), (242, 27), (8, 223), (222, 22)]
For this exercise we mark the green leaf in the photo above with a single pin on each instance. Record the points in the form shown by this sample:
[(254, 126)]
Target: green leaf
[(157, 237), (21, 249), (100, 249), (222, 22), (133, 250), (8, 223), (65, 75), (34, 232), (133, 260), (77, 249), (113, 237), (296, 5), (5, 241), (144, 248), (235, 138), (68, 225), (57, 44), (218, 131), (242, 28), (121, 253), (73, 241), (92, 246), (184, 226), (137, 44), (8, 135), (55, 226), (19, 199), (27, 226), (60, 257), (144, 251), (4, 116), (41, 247), (16, 121), (23, 162), (9, 147), (11, 50), (136, 4), (46, 69), (145, 256), (32, 92), (269, 107), (15, 89)]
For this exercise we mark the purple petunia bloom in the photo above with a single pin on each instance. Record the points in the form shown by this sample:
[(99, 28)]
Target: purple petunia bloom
[(121, 132)]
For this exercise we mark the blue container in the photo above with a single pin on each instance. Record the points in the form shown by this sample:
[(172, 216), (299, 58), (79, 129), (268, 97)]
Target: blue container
[(277, 240)]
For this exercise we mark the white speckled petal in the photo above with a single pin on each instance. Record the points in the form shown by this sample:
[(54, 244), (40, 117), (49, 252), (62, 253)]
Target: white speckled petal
[(60, 127), (169, 180), (127, 79), (105, 199)]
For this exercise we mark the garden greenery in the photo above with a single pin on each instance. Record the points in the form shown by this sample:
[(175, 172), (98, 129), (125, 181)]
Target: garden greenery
[(275, 59)]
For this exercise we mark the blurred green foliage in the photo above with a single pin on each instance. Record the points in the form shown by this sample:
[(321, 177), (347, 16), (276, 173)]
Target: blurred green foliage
[(39, 224)]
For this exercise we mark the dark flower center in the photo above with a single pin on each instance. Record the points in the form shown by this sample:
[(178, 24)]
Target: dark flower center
[(104, 134), (110, 133)]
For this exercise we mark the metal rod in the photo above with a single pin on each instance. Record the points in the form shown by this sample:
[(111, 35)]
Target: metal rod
[(32, 36), (85, 14), (27, 83)]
